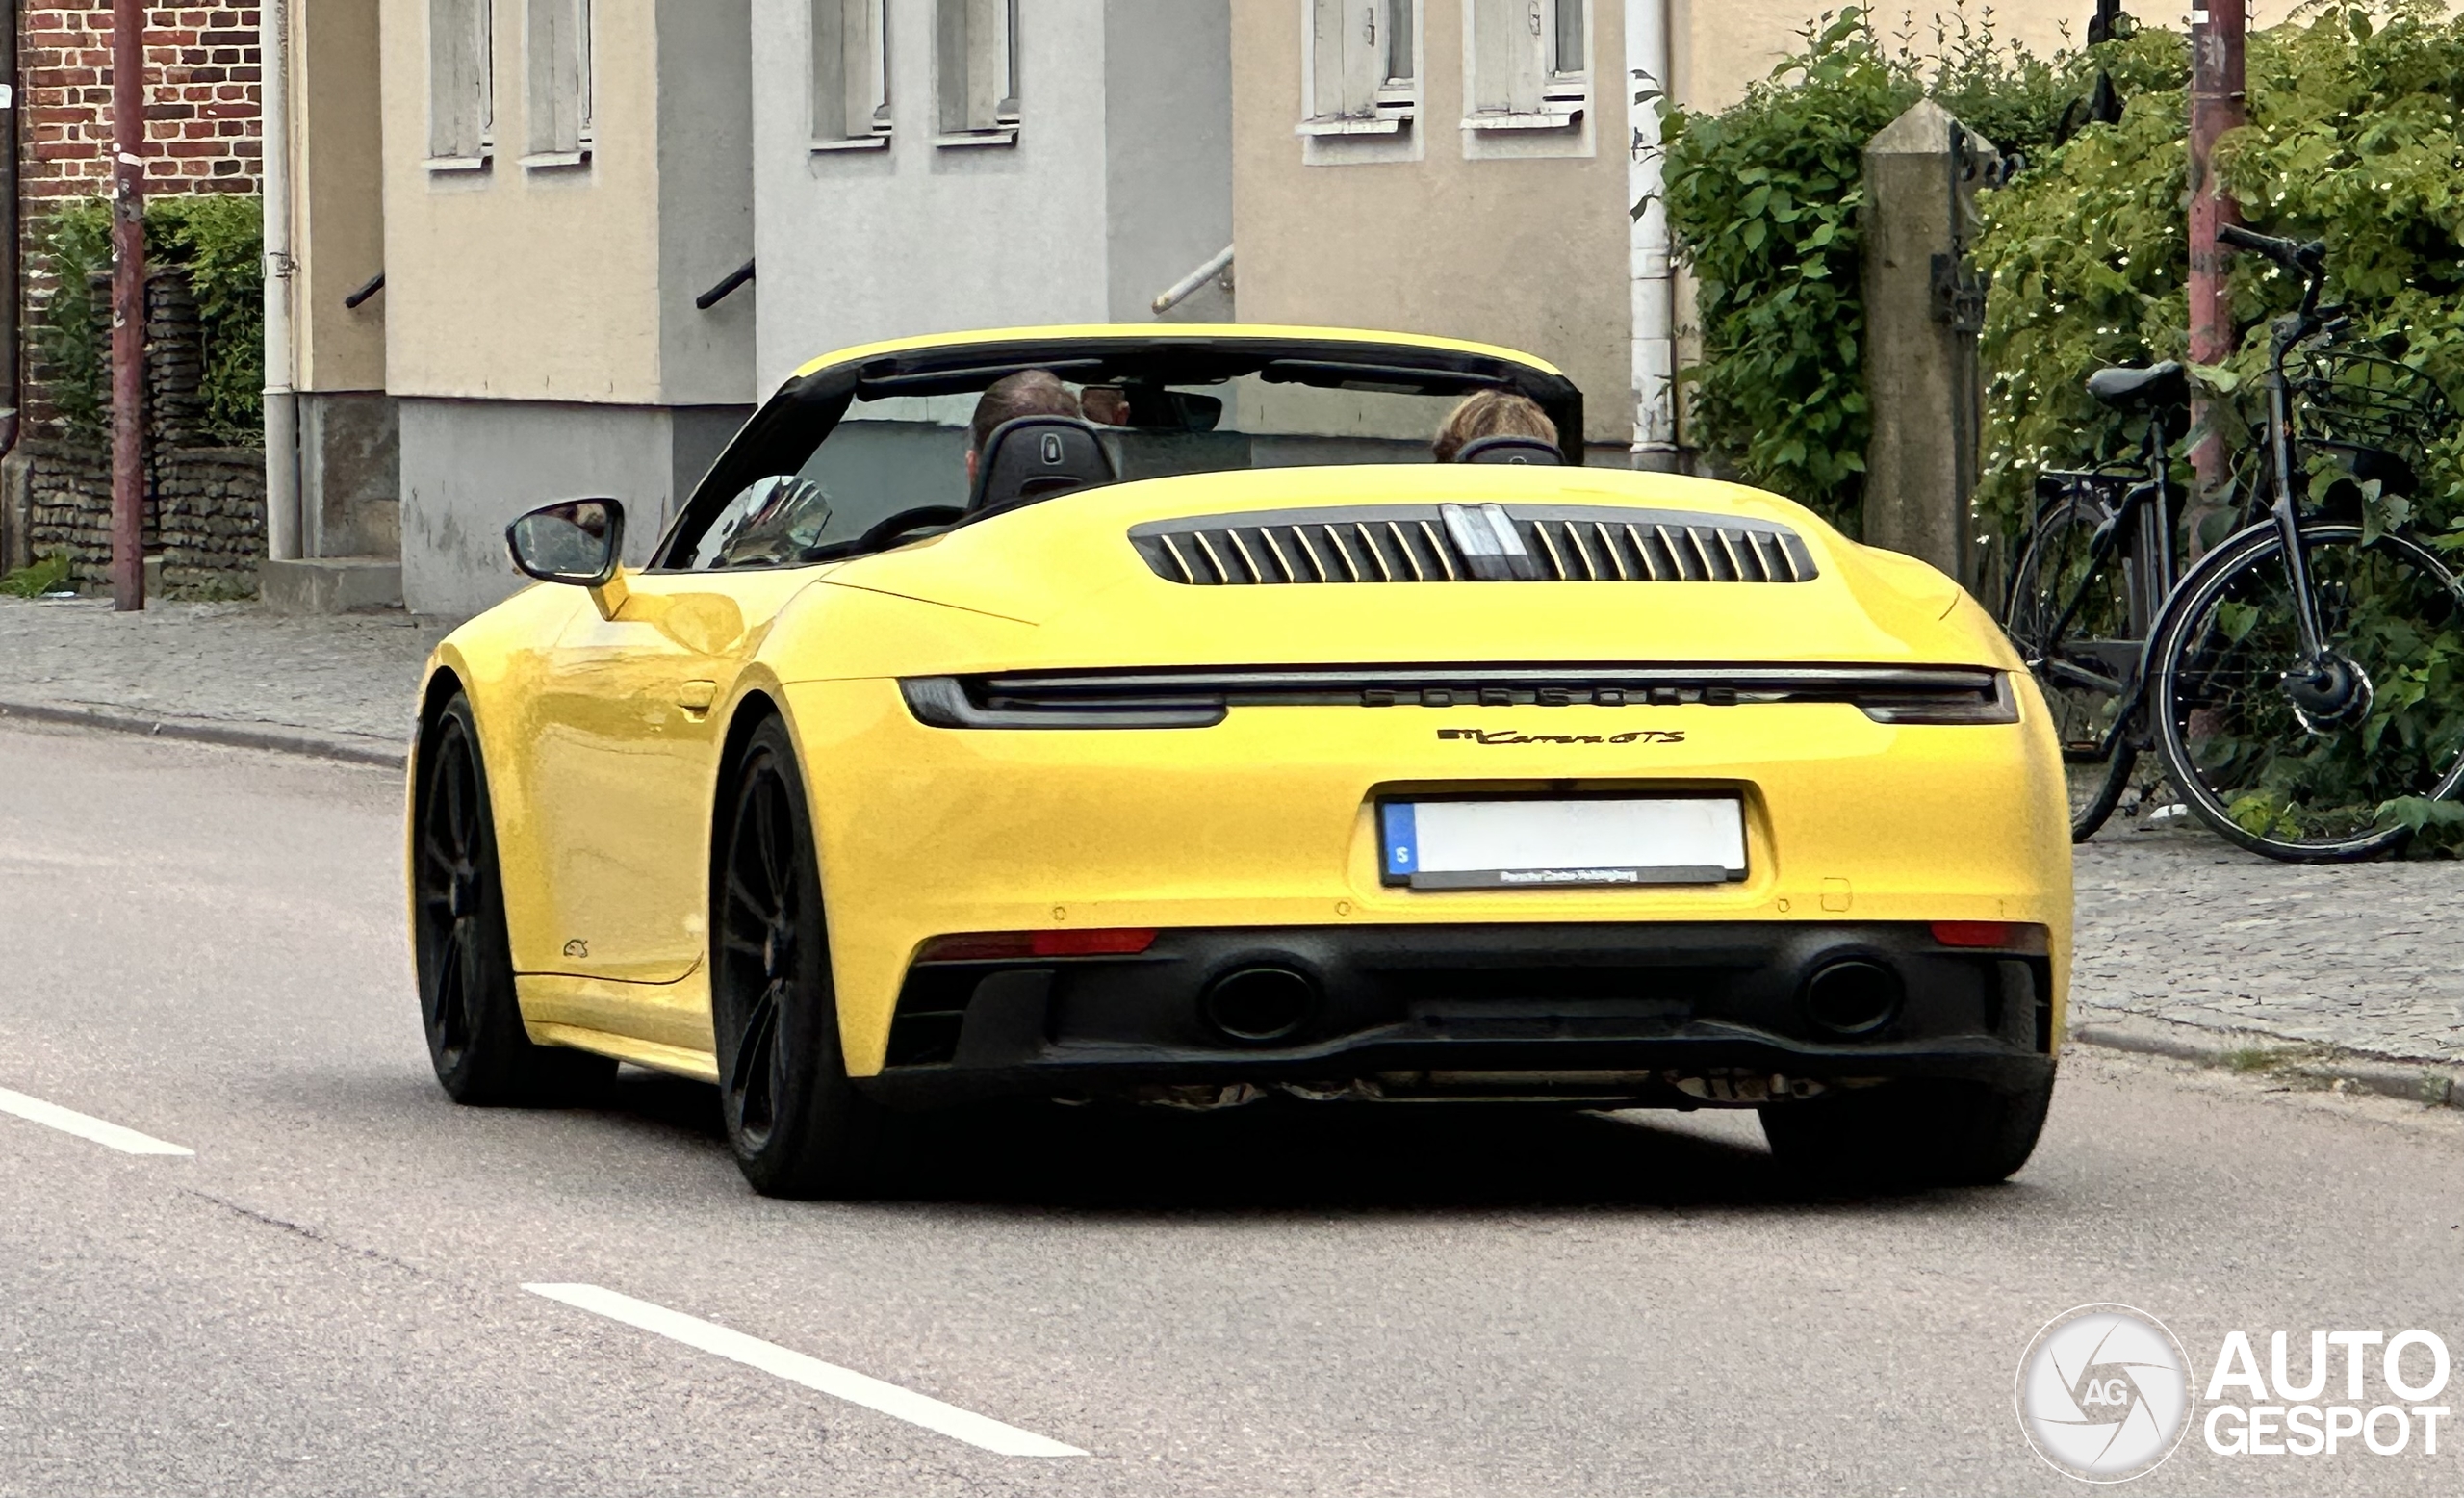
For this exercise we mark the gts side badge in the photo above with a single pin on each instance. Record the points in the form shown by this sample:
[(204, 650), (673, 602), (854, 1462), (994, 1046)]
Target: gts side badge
[(1507, 736)]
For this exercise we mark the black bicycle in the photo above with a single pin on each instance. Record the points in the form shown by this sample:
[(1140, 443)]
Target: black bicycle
[(2303, 673)]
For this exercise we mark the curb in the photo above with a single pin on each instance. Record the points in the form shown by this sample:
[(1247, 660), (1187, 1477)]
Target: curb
[(308, 744), (2327, 1068)]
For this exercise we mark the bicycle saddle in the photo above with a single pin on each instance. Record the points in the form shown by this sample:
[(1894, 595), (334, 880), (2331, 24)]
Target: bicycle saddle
[(2155, 387)]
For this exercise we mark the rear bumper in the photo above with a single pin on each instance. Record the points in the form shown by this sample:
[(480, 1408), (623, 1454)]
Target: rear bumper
[(1660, 1013)]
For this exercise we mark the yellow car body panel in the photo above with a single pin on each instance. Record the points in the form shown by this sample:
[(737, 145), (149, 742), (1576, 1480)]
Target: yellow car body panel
[(601, 736)]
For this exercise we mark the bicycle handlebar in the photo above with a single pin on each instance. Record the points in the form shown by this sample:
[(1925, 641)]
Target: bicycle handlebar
[(2302, 260)]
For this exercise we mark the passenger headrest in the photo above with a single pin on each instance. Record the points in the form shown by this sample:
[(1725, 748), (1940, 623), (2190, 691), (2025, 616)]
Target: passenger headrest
[(1034, 457), (1511, 449)]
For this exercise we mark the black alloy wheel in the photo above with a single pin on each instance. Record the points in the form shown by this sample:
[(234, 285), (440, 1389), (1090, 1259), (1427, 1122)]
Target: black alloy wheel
[(465, 961), (797, 1125)]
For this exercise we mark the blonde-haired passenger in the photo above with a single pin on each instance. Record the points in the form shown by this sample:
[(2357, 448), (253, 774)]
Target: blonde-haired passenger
[(1492, 413)]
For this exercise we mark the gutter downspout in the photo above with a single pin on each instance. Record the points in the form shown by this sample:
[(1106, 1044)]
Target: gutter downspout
[(1653, 276), (11, 283), (283, 527)]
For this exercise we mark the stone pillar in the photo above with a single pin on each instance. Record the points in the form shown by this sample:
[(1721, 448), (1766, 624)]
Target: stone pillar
[(1923, 309)]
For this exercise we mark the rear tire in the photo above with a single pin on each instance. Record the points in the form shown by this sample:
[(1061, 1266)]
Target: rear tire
[(482, 1054), (797, 1123), (2097, 753), (1908, 1135)]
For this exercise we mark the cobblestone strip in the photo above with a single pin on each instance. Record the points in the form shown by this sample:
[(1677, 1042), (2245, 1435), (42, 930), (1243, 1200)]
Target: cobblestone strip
[(352, 678), (2180, 928)]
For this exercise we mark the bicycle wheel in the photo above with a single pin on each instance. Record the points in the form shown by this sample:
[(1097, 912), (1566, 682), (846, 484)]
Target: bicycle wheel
[(2305, 784), (2096, 757)]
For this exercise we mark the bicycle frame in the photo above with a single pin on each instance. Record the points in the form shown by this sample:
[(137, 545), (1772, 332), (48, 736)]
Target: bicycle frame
[(2285, 334), (2147, 513)]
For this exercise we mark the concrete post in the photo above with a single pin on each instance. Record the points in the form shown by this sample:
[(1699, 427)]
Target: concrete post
[(1923, 308)]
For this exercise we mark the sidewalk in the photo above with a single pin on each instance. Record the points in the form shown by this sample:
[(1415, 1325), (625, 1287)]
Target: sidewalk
[(228, 672), (2187, 945)]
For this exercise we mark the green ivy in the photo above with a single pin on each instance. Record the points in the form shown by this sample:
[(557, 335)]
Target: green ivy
[(2355, 138), (2086, 256), (1764, 197), (218, 240)]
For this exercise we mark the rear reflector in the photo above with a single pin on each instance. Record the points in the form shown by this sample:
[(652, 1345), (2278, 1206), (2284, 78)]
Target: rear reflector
[(996, 945), (1973, 933)]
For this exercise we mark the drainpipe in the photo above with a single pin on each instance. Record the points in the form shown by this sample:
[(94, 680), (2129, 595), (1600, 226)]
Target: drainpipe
[(12, 289), (283, 528), (1653, 273)]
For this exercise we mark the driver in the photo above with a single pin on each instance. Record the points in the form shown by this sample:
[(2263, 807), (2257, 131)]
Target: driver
[(1027, 392)]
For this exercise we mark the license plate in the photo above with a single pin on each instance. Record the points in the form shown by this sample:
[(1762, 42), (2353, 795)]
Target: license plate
[(1522, 844)]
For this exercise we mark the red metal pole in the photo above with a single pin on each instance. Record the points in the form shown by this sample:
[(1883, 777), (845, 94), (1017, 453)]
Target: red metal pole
[(2219, 103), (128, 304)]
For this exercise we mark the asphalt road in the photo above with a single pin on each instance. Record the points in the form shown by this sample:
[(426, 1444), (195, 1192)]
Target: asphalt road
[(326, 1297)]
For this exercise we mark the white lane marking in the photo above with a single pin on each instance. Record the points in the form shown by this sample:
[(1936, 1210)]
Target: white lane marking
[(811, 1372), (127, 1141)]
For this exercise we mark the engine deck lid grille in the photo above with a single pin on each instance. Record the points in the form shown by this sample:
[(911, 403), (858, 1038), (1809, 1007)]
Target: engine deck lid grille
[(1472, 543)]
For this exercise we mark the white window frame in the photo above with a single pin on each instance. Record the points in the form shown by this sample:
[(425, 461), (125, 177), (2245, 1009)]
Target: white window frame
[(1562, 95), (550, 144), (850, 85), (1388, 131), (975, 50), (467, 143), (1555, 112), (1392, 101)]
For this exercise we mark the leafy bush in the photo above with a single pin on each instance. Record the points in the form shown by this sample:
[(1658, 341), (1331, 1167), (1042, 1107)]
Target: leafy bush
[(1764, 198), (218, 241), (2355, 138), (2087, 258)]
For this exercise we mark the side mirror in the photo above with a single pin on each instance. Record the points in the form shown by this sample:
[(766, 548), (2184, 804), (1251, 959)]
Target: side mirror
[(575, 541)]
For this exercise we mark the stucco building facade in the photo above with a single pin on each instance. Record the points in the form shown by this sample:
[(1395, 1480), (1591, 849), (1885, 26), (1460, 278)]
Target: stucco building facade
[(561, 181), (1099, 177)]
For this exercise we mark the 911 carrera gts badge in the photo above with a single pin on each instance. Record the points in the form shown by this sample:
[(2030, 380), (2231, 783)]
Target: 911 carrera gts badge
[(1507, 736)]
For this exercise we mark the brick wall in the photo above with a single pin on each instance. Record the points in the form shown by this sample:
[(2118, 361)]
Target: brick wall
[(201, 97), (205, 506)]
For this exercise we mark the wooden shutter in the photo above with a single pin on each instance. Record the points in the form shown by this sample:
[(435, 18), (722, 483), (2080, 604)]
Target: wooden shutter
[(1509, 55)]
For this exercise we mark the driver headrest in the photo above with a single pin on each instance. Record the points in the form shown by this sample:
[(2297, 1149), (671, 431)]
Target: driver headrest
[(1511, 449), (1034, 457)]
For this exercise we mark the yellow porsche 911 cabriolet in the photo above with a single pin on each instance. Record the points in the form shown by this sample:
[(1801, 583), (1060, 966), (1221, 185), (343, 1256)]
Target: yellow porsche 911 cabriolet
[(1193, 713)]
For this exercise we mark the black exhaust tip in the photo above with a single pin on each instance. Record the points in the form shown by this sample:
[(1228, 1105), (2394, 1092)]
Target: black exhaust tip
[(1853, 997), (1259, 1005)]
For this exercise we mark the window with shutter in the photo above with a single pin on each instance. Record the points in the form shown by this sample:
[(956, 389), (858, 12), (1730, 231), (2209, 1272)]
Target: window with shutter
[(1529, 62), (1361, 66), (850, 75), (461, 108), (976, 49), (558, 92)]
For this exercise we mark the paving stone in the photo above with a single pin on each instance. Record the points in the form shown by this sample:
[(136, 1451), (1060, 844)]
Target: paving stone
[(354, 675), (2179, 926)]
